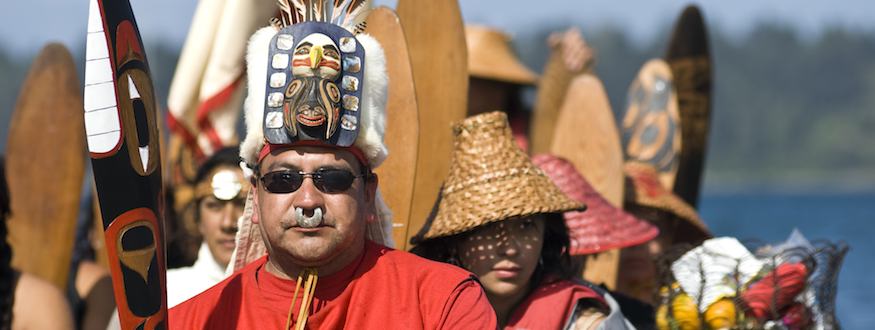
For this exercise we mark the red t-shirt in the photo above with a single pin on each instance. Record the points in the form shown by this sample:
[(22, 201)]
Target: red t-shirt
[(383, 289), (550, 305)]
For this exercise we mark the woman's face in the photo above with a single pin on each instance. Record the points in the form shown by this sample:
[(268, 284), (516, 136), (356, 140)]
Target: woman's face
[(504, 254), (638, 271)]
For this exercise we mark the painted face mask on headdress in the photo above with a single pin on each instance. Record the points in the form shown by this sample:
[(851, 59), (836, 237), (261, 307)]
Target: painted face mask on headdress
[(314, 84)]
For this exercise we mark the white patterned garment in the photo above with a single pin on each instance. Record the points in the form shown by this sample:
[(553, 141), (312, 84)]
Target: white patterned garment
[(186, 282)]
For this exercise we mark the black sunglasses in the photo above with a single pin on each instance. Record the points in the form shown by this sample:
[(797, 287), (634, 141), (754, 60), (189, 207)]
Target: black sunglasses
[(327, 180)]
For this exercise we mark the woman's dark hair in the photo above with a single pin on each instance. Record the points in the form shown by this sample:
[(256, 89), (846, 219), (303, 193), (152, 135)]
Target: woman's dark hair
[(182, 237), (7, 275), (225, 156), (556, 250), (555, 257)]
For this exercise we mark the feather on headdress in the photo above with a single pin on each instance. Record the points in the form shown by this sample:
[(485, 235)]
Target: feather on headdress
[(348, 14)]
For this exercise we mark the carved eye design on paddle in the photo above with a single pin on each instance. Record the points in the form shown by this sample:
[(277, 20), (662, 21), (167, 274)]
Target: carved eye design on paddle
[(316, 55), (137, 109), (136, 102), (136, 251), (651, 132)]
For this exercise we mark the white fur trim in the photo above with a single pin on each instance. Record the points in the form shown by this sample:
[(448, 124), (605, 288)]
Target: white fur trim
[(374, 96), (253, 107), (372, 124)]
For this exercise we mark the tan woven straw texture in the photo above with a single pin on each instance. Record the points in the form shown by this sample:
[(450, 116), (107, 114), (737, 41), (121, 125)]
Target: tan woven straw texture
[(490, 57), (491, 180), (602, 226), (643, 188)]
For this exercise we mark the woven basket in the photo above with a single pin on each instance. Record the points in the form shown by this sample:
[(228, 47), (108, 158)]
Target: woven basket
[(793, 285), (602, 226), (491, 180)]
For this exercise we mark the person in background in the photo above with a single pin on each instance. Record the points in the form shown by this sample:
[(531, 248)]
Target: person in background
[(26, 302), (89, 287), (497, 76), (680, 229), (500, 217), (220, 194)]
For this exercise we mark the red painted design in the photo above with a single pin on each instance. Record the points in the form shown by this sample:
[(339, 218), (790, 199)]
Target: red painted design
[(330, 64), (650, 184), (112, 235), (127, 43), (304, 62)]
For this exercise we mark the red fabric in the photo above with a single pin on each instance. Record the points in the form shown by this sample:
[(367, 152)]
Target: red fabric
[(210, 105), (383, 289), (519, 127), (550, 305), (269, 148), (778, 287), (179, 128)]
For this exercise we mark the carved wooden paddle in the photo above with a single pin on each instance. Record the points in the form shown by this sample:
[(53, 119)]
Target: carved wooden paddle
[(45, 163), (438, 56), (586, 134), (398, 172), (690, 60), (651, 125)]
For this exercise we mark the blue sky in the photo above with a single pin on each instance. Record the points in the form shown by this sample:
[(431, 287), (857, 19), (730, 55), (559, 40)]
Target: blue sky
[(26, 25)]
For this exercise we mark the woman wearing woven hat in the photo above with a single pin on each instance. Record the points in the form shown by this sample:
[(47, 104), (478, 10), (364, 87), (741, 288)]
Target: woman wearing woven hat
[(680, 228), (602, 226), (497, 75), (499, 216)]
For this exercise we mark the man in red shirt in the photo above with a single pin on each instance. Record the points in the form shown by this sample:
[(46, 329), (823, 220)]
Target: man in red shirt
[(315, 117)]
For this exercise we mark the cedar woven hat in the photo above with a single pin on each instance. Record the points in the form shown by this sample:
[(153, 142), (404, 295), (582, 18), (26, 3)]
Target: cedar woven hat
[(644, 189), (602, 226), (491, 180), (490, 57)]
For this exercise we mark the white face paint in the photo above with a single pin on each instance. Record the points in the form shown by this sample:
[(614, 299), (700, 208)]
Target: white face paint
[(316, 55), (308, 222)]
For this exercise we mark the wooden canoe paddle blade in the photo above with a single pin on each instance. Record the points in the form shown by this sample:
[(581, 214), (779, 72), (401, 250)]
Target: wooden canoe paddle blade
[(121, 127), (690, 60), (651, 125), (552, 89), (398, 172), (45, 163), (586, 134), (439, 58)]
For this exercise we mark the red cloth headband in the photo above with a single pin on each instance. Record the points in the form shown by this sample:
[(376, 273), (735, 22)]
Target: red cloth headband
[(271, 148)]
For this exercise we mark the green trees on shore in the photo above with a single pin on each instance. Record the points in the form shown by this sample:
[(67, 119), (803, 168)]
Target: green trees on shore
[(788, 108)]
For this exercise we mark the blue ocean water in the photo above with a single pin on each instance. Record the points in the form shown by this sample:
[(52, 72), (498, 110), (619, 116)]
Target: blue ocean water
[(770, 217)]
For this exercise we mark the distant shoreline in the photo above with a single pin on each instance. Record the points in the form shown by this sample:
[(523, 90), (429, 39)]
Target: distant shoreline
[(790, 182)]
